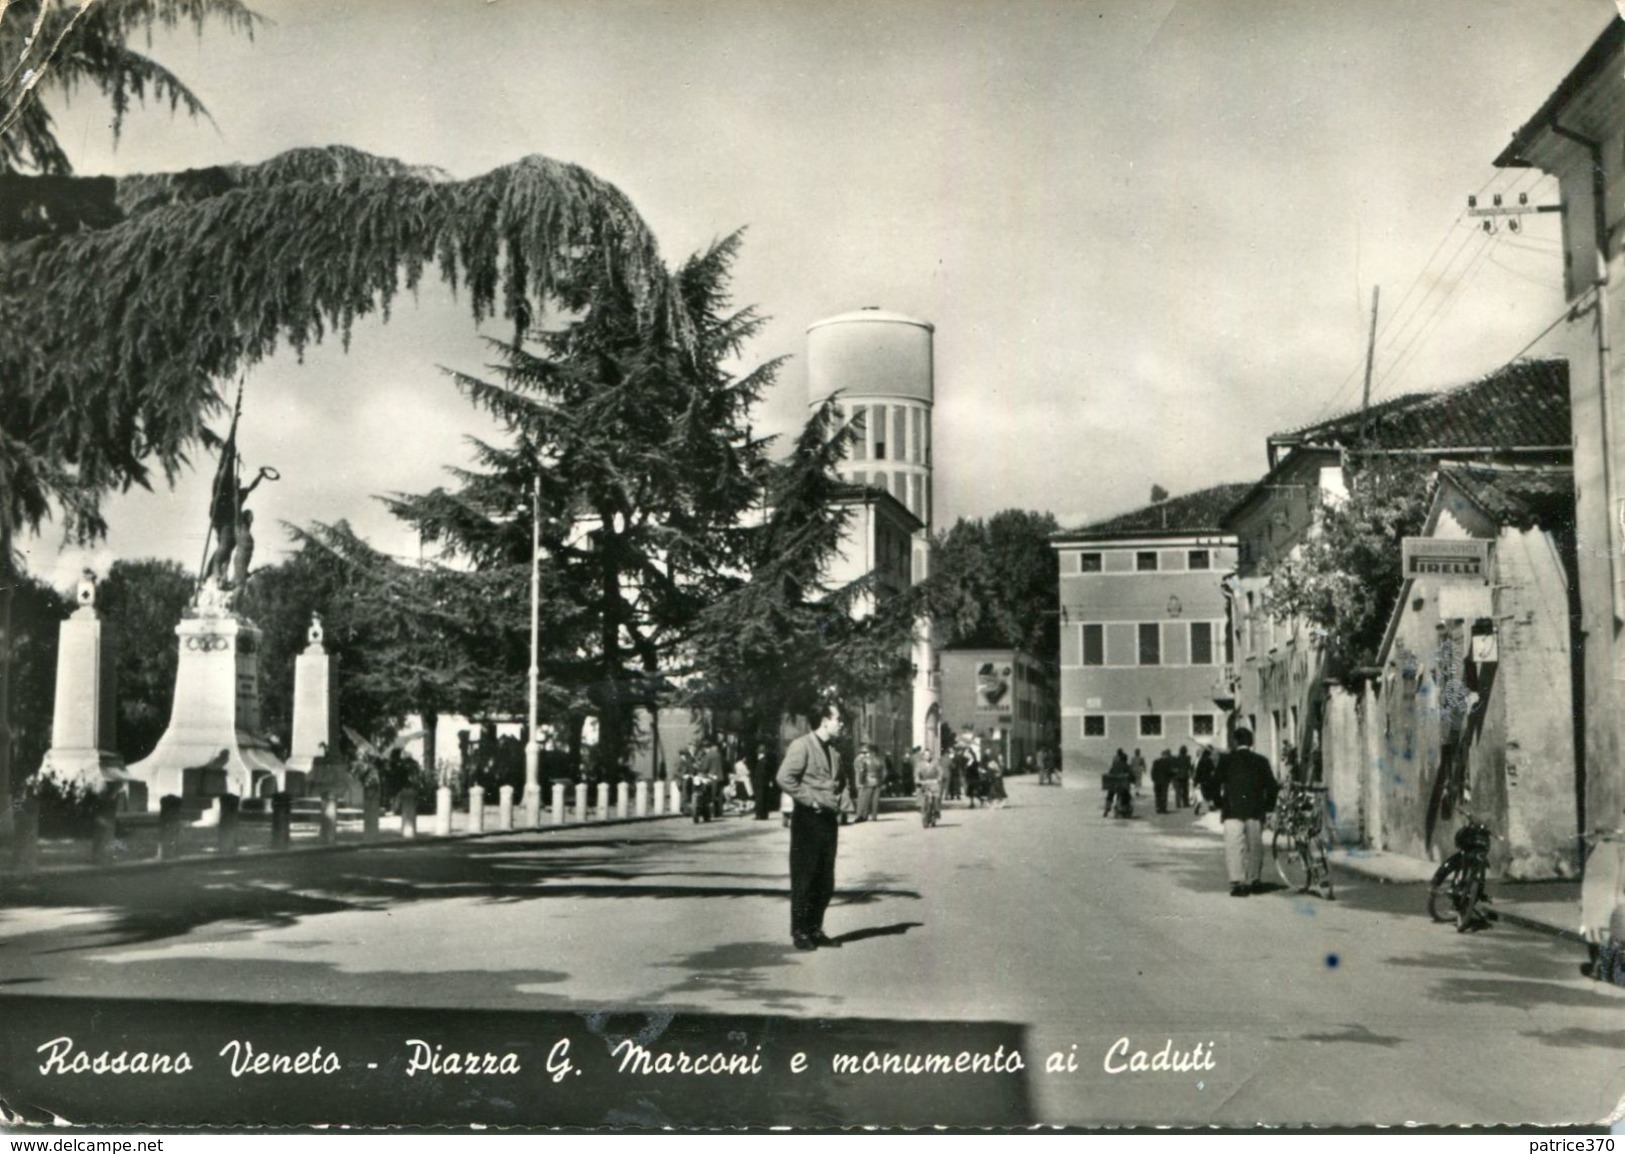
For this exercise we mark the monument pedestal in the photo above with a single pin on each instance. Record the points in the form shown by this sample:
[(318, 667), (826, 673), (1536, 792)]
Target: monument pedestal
[(82, 718), (212, 745)]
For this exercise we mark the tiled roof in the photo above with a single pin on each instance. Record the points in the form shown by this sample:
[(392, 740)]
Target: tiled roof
[(1517, 496), (1523, 405), (1197, 512)]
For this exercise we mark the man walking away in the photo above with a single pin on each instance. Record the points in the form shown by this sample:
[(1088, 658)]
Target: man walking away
[(813, 776), (1162, 776), (1207, 780), (1247, 789), (1138, 767)]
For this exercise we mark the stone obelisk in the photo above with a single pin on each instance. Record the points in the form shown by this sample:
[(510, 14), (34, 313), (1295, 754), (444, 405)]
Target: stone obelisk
[(83, 718)]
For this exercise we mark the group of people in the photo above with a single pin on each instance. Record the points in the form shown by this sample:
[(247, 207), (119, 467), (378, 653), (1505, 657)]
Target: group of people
[(1239, 784), (1174, 772), (974, 777), (707, 789)]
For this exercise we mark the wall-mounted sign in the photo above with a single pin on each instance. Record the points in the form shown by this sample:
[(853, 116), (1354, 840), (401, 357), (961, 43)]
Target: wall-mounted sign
[(1447, 560)]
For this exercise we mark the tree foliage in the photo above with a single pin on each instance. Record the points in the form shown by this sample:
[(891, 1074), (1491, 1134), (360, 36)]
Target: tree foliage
[(123, 334), (631, 437), (995, 583), (49, 44), (1345, 578), (37, 615), (784, 638), (139, 603)]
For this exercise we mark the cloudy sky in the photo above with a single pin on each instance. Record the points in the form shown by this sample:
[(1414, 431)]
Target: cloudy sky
[(1147, 233)]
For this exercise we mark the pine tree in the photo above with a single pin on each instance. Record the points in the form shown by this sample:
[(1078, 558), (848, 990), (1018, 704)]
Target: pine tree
[(634, 437), (783, 638)]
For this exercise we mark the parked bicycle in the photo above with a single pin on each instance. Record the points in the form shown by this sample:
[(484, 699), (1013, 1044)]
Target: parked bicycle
[(1457, 889), (1299, 843)]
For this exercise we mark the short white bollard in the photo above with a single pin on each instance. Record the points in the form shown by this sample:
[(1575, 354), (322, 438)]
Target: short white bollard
[(558, 803), (674, 797), (620, 799), (533, 806), (442, 812), (640, 799), (581, 802), (505, 808), (600, 800), (476, 809)]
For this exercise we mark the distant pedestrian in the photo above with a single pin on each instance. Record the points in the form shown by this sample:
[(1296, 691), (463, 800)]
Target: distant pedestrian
[(993, 782), (1137, 768), (1183, 772), (956, 774), (812, 774), (1162, 776), (1207, 779), (870, 771), (761, 779), (1118, 781), (1247, 789)]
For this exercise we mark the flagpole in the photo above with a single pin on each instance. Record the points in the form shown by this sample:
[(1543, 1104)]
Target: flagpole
[(533, 747)]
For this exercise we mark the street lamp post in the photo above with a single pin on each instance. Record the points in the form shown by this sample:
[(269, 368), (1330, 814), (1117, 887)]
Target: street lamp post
[(533, 747)]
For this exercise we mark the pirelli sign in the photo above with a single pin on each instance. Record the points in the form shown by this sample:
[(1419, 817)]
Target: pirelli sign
[(1446, 560)]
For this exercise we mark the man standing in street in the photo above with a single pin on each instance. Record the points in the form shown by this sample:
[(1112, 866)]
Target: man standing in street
[(871, 772), (813, 776), (1247, 789)]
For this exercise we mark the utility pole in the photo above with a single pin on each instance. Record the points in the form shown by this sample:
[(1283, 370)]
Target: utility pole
[(1370, 359)]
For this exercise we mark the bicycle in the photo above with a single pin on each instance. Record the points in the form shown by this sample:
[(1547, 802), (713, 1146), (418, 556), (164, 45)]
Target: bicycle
[(1299, 845), (1457, 889)]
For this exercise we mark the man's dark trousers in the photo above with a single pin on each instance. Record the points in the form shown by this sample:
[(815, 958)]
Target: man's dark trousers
[(813, 835)]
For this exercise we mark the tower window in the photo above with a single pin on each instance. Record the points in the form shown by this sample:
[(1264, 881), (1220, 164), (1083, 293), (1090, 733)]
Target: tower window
[(1145, 562), (879, 413)]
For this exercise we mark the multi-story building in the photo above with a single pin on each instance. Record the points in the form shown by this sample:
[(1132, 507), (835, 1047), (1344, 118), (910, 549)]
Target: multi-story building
[(1006, 698), (1143, 639)]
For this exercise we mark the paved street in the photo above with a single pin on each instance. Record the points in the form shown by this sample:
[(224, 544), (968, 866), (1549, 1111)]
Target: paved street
[(1041, 927)]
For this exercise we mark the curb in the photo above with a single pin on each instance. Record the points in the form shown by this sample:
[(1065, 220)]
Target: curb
[(10, 878)]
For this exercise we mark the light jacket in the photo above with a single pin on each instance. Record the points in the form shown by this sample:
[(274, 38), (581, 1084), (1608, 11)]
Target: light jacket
[(812, 774)]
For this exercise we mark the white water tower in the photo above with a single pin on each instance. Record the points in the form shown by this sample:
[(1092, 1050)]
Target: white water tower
[(881, 365)]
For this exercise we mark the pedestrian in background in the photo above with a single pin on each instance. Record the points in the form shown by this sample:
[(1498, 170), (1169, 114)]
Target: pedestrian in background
[(1247, 789), (871, 774), (1207, 780), (1183, 771), (1137, 768), (1162, 776), (993, 782), (812, 775)]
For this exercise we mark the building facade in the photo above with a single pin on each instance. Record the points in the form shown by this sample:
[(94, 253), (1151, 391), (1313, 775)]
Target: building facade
[(1005, 698), (1578, 136), (1144, 648), (1515, 415)]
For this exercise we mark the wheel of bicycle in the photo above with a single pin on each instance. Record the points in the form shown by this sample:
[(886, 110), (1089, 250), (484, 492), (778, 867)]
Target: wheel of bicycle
[(1442, 890), (1469, 892), (1289, 861), (1320, 867)]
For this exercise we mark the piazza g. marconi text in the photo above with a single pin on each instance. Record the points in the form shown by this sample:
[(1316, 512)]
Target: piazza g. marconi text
[(61, 1056)]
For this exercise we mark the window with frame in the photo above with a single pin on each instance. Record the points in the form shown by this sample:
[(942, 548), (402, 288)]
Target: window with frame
[(1146, 562), (879, 413), (1150, 643), (1198, 559), (1150, 725), (1094, 725), (1088, 562), (1202, 725), (1201, 643), (1094, 645)]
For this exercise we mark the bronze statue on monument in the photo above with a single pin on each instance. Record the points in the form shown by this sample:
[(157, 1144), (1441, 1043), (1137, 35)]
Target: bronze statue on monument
[(230, 524)]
